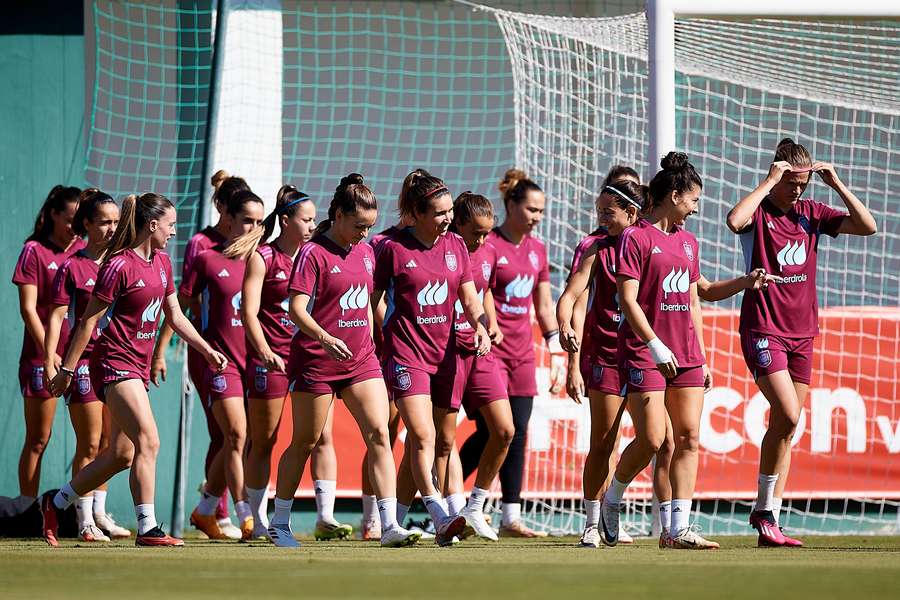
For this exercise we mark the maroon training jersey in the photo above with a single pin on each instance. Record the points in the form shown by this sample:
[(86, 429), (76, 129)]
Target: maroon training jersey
[(199, 243), (484, 269), (73, 286), (421, 286), (585, 246), (219, 279), (136, 290), (37, 266), (338, 283), (786, 244), (273, 304), (665, 264), (601, 327), (520, 268), (380, 237)]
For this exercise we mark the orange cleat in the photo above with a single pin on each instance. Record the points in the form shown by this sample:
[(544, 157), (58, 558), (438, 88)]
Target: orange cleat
[(208, 525), (158, 538), (247, 529)]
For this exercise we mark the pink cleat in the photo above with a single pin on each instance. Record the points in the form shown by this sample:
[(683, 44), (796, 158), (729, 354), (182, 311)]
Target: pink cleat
[(769, 533), (790, 542)]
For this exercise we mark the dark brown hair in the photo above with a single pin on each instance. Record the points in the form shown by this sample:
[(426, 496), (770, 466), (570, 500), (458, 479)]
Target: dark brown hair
[(55, 201), (793, 153), (627, 193), (423, 186), (468, 205), (137, 211), (617, 172), (287, 201), (350, 195), (89, 201), (677, 175), (515, 185), (226, 186)]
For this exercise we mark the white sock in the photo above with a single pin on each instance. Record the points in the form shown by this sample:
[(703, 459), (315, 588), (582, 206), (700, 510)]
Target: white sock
[(207, 505), (665, 515), (512, 512), (242, 508), (65, 497), (435, 508), (402, 510), (387, 512), (592, 512), (776, 509), (765, 491), (325, 492), (616, 491), (282, 516), (370, 507), (455, 503), (146, 517), (84, 510), (100, 502), (259, 505), (681, 516), (477, 498)]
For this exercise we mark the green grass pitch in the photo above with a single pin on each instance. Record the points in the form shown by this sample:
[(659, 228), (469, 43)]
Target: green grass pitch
[(829, 567)]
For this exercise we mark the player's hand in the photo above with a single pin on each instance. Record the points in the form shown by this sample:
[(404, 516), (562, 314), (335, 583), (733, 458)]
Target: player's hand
[(575, 385), (51, 368), (60, 383), (273, 362), (482, 341), (707, 378), (668, 369), (777, 171), (495, 334), (568, 339), (827, 173), (57, 361), (158, 369), (336, 348), (217, 360), (663, 358), (758, 279)]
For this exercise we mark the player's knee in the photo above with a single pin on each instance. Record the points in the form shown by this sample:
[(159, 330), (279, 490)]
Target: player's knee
[(123, 456), (666, 449), (785, 424), (148, 444), (505, 434), (89, 449), (688, 440), (380, 437), (37, 443)]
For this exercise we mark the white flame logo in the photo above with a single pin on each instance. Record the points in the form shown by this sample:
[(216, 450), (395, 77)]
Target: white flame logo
[(676, 281), (433, 294), (458, 306), (284, 305), (354, 298), (236, 303), (151, 312), (520, 287), (792, 254)]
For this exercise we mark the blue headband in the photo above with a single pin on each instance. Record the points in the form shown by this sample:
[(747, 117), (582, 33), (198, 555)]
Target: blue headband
[(610, 188), (284, 208)]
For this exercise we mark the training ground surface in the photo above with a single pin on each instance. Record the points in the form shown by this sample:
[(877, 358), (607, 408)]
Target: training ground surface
[(830, 567)]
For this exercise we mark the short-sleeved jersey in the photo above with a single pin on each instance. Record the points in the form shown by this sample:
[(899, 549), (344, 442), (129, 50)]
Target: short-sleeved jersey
[(37, 265), (665, 264), (136, 290), (601, 327), (73, 287), (421, 286), (218, 280), (199, 243), (584, 247), (273, 303), (380, 237), (520, 268), (484, 270), (338, 282), (786, 244)]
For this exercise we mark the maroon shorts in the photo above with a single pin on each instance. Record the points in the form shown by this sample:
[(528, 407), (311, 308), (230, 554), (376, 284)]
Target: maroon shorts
[(766, 354), (31, 379), (477, 383), (651, 380), (102, 374), (518, 376), (228, 383), (197, 371), (262, 383), (82, 390), (403, 381), (600, 377), (307, 384)]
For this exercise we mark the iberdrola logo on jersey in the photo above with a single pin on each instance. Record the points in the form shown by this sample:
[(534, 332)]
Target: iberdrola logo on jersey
[(792, 254), (678, 280), (432, 294), (354, 298), (519, 287), (459, 311), (236, 305), (150, 315)]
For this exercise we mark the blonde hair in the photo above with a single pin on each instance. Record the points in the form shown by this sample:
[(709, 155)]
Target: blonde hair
[(286, 203)]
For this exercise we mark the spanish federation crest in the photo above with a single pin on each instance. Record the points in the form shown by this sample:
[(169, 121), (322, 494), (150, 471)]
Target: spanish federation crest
[(163, 278), (450, 259), (486, 270), (261, 381), (84, 384), (368, 263), (533, 258), (688, 251)]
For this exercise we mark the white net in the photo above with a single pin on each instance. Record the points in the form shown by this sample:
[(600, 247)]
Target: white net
[(741, 86)]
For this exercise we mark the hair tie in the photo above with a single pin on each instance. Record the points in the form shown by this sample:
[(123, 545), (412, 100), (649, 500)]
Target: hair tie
[(436, 192), (284, 208), (627, 199)]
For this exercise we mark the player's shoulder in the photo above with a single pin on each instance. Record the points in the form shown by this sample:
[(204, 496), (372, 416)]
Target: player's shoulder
[(536, 244), (455, 240)]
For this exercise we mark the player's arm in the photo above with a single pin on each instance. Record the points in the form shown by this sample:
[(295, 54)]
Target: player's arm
[(662, 356), (546, 318), (299, 310), (78, 342), (714, 291), (158, 366), (697, 319), (741, 215), (186, 330), (51, 339), (475, 315), (251, 293), (28, 309), (860, 221), (569, 318), (490, 311)]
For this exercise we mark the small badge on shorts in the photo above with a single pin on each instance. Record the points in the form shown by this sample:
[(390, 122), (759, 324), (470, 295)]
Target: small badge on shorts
[(450, 259), (763, 358), (218, 383), (84, 385), (533, 259), (597, 373), (261, 381), (636, 376), (404, 381), (37, 379)]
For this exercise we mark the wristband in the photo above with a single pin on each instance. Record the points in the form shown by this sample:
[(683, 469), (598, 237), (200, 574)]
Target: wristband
[(67, 371), (659, 351), (553, 344)]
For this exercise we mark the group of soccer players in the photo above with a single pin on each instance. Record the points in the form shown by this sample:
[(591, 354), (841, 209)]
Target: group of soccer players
[(430, 315)]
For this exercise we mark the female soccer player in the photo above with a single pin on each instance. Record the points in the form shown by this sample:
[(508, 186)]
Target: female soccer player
[(48, 247), (224, 187), (424, 269), (781, 232), (219, 280), (264, 303), (522, 279), (133, 283), (97, 217), (477, 385), (333, 354)]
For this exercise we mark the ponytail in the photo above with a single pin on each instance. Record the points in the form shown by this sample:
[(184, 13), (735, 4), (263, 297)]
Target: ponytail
[(351, 195), (56, 201), (677, 175), (137, 211), (286, 203), (420, 186), (793, 153), (515, 186), (225, 186)]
